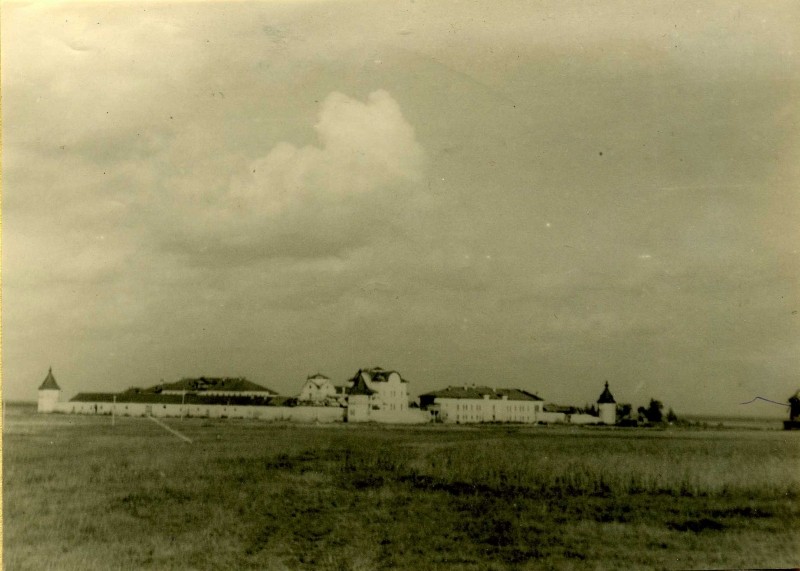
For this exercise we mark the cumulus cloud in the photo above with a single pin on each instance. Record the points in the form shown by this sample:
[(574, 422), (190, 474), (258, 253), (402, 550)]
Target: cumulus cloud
[(312, 200)]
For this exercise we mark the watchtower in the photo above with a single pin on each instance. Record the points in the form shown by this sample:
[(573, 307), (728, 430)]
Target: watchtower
[(607, 407), (49, 393)]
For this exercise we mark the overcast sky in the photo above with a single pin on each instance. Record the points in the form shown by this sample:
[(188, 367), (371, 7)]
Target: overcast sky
[(543, 195)]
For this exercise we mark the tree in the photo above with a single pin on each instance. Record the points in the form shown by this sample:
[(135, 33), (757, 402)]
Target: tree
[(624, 411), (671, 416), (654, 411)]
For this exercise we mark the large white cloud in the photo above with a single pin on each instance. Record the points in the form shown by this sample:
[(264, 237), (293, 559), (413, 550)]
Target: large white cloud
[(313, 200), (364, 147)]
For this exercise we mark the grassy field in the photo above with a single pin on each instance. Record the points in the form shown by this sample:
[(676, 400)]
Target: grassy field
[(79, 494)]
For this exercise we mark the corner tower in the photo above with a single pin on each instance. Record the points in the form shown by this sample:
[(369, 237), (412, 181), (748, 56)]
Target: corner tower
[(607, 407), (49, 393)]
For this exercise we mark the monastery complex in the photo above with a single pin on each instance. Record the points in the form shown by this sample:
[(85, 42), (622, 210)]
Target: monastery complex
[(371, 395)]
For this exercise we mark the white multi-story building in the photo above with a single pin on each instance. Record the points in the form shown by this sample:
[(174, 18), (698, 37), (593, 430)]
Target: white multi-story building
[(472, 404), (319, 389), (382, 396)]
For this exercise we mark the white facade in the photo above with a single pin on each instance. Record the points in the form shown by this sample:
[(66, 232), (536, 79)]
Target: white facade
[(583, 418), (359, 408), (323, 414), (49, 393), (376, 395), (464, 410), (553, 417), (48, 400), (607, 406), (317, 389), (390, 394), (608, 413)]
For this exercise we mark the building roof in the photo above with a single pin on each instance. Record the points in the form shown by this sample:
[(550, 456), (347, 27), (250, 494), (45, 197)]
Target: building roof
[(380, 375), (318, 380), (479, 392), (149, 397), (564, 409), (606, 397), (49, 383), (227, 384), (360, 386)]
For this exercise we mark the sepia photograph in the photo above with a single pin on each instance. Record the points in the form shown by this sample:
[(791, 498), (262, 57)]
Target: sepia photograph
[(359, 285)]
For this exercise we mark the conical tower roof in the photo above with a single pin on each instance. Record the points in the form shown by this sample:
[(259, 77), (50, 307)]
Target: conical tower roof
[(606, 397), (49, 383)]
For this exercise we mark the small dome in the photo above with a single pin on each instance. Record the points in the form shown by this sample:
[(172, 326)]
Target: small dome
[(606, 397)]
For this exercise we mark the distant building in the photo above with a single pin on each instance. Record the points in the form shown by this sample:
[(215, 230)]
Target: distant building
[(215, 386), (380, 395), (49, 393), (373, 395), (319, 389), (476, 404), (607, 407), (361, 400), (391, 390)]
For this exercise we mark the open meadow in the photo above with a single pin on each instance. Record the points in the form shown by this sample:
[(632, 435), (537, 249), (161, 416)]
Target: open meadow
[(81, 494)]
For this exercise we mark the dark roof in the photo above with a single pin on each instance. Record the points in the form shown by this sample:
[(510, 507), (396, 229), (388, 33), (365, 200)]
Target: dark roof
[(231, 384), (380, 375), (359, 386), (49, 383), (565, 409), (147, 397), (606, 397), (478, 392), (109, 397), (317, 376), (518, 394)]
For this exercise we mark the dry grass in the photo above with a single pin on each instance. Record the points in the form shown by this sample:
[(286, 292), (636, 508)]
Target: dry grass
[(249, 495)]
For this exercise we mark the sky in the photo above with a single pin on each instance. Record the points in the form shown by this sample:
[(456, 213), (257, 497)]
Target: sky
[(542, 195)]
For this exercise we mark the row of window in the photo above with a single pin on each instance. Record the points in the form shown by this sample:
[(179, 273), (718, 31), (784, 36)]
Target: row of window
[(509, 408), (477, 418)]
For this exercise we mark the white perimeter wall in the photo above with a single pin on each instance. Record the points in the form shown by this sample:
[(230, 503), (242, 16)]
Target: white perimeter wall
[(584, 419), (293, 413), (406, 416), (274, 413)]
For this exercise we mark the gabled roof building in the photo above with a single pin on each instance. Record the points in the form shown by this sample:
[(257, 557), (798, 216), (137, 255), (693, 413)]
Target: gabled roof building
[(214, 386), (319, 389), (471, 404), (377, 394)]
